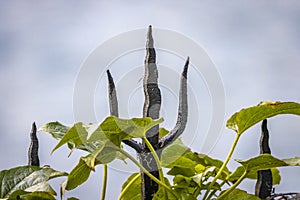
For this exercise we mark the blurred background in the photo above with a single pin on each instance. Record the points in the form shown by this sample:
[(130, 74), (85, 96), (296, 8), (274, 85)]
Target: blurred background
[(253, 44)]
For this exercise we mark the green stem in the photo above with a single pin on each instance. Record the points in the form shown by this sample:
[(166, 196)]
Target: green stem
[(128, 186), (156, 158), (104, 183), (147, 172), (214, 191), (161, 175), (233, 186), (223, 166)]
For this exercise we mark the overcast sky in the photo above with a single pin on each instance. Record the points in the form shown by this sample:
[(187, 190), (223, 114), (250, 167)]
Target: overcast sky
[(253, 44)]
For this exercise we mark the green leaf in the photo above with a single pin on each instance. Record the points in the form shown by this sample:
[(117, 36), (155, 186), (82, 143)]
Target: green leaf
[(112, 129), (261, 162), (198, 178), (117, 129), (276, 178), (172, 153), (22, 195), (103, 155), (212, 162), (163, 194), (241, 195), (199, 168), (211, 166), (186, 187), (56, 129), (253, 175), (247, 117), (174, 157), (78, 175), (292, 161), (77, 134), (163, 132), (27, 178), (183, 161), (90, 159), (185, 171), (134, 191)]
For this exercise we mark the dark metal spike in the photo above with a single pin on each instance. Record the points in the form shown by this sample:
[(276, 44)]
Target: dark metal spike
[(264, 184), (182, 111), (114, 110), (152, 92), (151, 109), (33, 157), (264, 139), (113, 101)]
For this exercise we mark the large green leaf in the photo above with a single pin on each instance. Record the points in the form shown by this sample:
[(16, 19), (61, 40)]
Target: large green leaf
[(240, 195), (112, 129), (109, 135), (295, 161), (27, 178), (172, 153), (183, 166), (104, 154), (56, 129), (212, 162), (78, 175), (252, 174), (77, 134), (134, 191), (262, 162), (22, 195), (174, 157), (247, 117), (117, 129), (183, 161)]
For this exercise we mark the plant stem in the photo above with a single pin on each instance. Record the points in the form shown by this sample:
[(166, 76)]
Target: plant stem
[(128, 186), (161, 175), (147, 172), (214, 191), (104, 183), (156, 158), (223, 166), (233, 186)]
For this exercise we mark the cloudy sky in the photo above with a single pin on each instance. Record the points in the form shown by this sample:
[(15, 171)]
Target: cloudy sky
[(254, 45)]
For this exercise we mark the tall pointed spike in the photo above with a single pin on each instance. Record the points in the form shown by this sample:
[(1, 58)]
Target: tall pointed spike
[(151, 109), (185, 69), (264, 140), (152, 92), (182, 111), (150, 51), (33, 157), (264, 183), (114, 110), (149, 43), (113, 101)]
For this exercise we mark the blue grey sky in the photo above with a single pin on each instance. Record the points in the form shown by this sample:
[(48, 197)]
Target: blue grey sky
[(254, 45)]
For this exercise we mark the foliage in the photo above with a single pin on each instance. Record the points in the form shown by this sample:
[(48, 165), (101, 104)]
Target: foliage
[(194, 174), (28, 181)]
